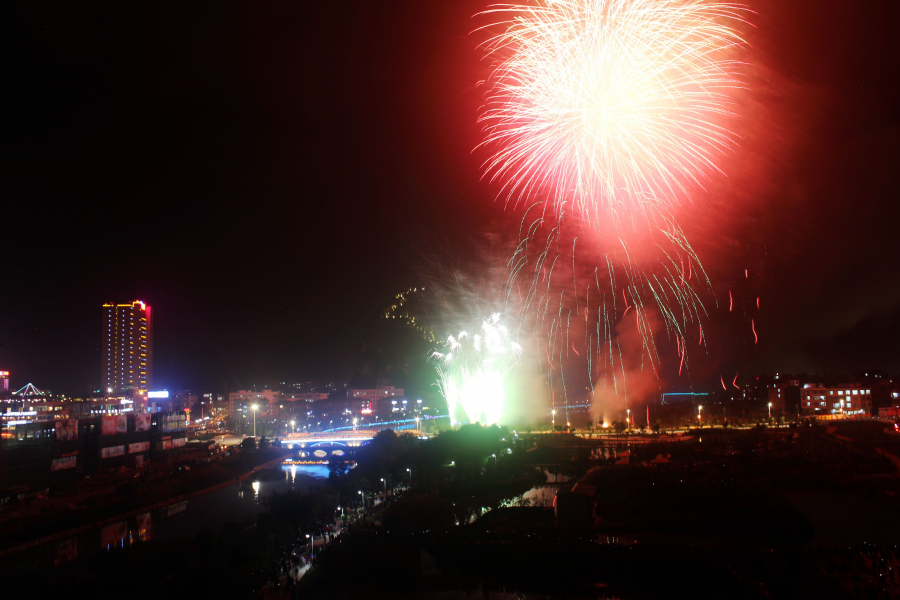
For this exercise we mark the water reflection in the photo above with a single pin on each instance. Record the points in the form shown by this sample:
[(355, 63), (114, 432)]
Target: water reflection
[(179, 520), (144, 526)]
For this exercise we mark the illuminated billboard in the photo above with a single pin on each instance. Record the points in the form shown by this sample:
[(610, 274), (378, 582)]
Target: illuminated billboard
[(162, 394)]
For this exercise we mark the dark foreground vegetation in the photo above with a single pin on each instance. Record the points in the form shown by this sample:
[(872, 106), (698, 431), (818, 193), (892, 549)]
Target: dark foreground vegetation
[(803, 512)]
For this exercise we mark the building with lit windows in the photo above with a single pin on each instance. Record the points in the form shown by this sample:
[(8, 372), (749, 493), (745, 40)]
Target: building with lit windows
[(266, 400), (847, 399), (127, 349), (373, 395), (304, 396), (783, 394), (4, 381)]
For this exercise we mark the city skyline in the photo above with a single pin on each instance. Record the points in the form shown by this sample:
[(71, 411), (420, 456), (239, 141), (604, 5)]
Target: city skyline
[(271, 249)]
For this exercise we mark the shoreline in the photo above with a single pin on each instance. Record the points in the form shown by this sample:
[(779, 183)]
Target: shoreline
[(168, 502)]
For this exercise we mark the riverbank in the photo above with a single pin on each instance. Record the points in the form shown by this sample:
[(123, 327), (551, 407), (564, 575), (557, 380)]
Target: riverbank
[(48, 523)]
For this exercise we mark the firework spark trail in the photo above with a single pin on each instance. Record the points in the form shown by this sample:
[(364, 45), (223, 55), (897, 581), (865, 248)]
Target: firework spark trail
[(471, 376), (608, 113), (549, 307), (617, 106)]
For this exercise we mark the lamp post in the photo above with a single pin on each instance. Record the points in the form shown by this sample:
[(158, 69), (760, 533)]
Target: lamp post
[(292, 426), (385, 490), (310, 544), (699, 422), (417, 424), (628, 417), (553, 418), (410, 476), (770, 411), (363, 498), (255, 406)]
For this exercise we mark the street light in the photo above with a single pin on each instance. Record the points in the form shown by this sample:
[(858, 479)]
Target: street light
[(292, 426), (628, 417), (553, 414), (385, 489), (699, 408), (310, 545), (255, 406), (770, 410), (410, 476)]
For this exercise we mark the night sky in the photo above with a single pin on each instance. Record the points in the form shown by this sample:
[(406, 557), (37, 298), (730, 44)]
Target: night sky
[(265, 176)]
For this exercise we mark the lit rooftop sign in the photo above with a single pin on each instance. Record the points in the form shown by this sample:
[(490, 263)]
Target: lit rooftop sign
[(162, 394)]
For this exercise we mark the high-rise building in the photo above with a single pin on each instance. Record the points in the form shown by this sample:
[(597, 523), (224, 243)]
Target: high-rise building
[(127, 348), (4, 381)]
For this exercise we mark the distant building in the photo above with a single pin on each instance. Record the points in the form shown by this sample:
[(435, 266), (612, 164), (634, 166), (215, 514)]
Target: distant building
[(127, 349), (378, 400), (848, 399), (304, 396), (783, 394), (4, 381), (375, 394), (211, 405), (266, 400)]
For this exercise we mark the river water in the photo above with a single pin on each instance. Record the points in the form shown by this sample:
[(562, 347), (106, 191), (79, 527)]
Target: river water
[(235, 503)]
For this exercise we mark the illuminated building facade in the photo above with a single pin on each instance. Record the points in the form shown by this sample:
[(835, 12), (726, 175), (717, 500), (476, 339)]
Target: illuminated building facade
[(848, 399), (304, 396), (381, 399), (376, 394), (127, 349), (266, 400), (4, 381)]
